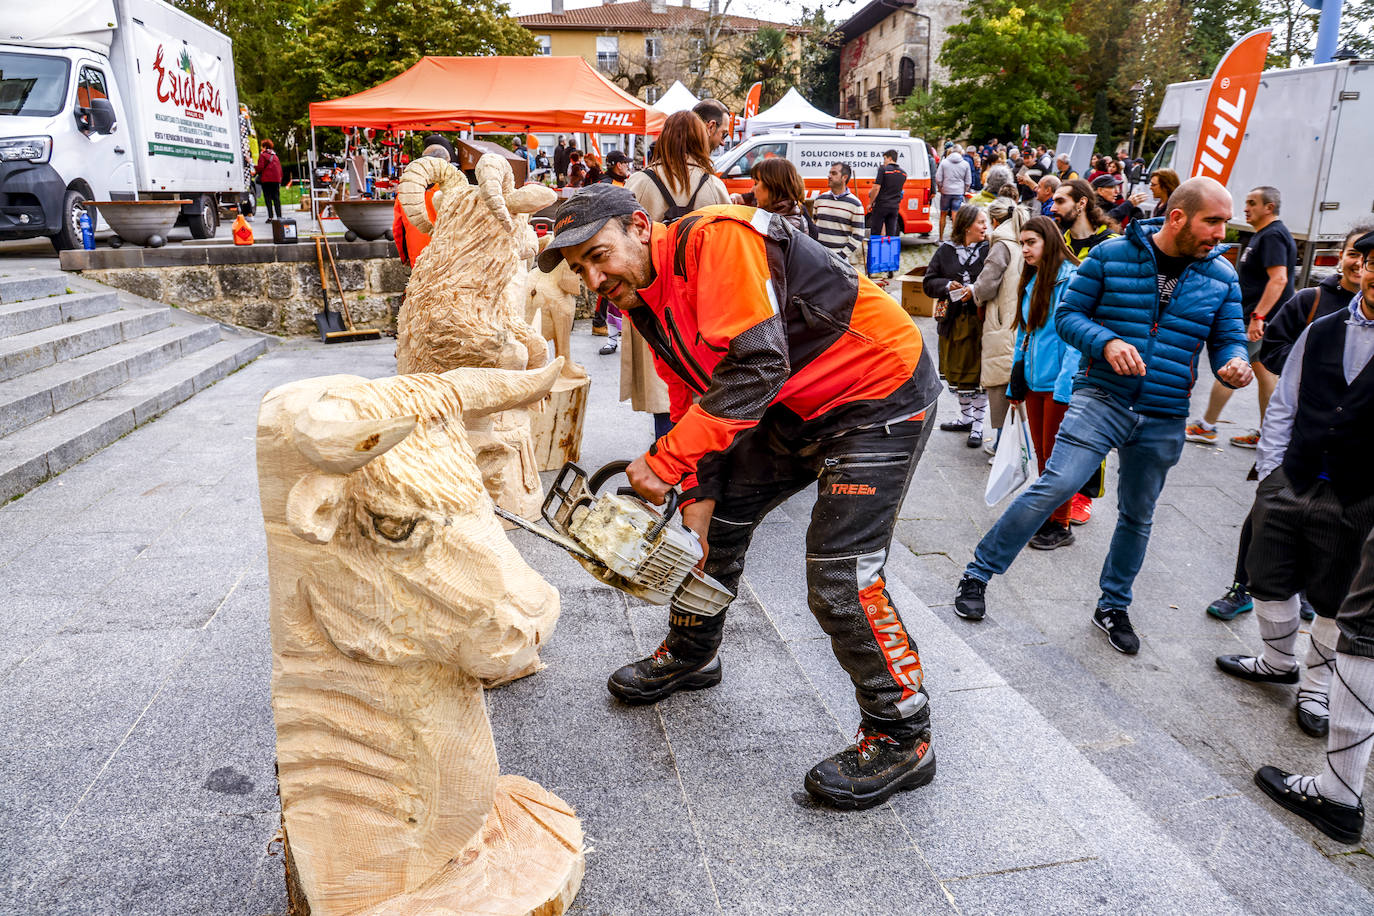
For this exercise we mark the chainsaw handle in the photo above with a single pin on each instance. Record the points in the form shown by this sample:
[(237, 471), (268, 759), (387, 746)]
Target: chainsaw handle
[(609, 470)]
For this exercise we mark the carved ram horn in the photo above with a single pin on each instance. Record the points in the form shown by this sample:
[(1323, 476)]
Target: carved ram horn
[(343, 446), (494, 181), (484, 391), (416, 179)]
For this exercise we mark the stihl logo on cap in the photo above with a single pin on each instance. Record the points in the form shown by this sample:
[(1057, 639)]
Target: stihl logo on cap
[(606, 117), (562, 222)]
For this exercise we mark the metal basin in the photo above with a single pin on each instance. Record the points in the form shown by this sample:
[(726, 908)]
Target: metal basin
[(365, 219), (141, 222)]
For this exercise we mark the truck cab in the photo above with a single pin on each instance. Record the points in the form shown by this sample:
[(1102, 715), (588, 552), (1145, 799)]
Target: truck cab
[(63, 141)]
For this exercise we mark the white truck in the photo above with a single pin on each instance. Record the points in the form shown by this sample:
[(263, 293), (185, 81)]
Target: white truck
[(1309, 135), (114, 100)]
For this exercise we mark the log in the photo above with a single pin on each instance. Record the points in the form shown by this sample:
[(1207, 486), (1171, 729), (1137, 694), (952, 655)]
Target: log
[(557, 426)]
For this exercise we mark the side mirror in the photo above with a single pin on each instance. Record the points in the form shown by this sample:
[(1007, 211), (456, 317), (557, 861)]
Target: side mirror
[(102, 115)]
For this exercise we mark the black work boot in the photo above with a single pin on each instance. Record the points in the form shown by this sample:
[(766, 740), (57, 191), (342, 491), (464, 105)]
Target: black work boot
[(662, 674), (873, 769)]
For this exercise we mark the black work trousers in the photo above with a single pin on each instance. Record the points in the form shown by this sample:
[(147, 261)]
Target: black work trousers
[(887, 221), (860, 478)]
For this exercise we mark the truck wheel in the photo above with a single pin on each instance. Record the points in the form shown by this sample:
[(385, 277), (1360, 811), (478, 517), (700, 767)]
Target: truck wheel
[(205, 220), (69, 236)]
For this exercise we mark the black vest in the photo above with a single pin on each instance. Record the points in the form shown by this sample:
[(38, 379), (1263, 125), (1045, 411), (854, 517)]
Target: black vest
[(1333, 429)]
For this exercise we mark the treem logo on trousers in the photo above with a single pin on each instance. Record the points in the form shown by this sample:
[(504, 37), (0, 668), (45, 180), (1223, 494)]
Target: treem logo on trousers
[(852, 489), (608, 118)]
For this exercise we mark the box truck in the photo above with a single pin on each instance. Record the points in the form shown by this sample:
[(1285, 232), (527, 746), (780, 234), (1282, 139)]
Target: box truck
[(114, 100), (1309, 135)]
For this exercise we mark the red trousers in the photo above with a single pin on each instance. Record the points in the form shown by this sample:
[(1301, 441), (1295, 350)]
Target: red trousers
[(1045, 414)]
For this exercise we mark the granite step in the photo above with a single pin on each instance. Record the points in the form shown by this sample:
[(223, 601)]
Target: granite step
[(33, 397), (34, 314), (31, 285), (42, 348), (53, 444)]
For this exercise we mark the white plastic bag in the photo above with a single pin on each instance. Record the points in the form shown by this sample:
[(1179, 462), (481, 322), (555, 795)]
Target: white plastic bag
[(1015, 458)]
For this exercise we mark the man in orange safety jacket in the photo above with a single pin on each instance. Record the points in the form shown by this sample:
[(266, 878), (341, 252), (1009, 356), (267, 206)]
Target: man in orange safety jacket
[(789, 369)]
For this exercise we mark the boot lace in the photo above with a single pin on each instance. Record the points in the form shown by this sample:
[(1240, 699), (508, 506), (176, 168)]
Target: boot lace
[(867, 742)]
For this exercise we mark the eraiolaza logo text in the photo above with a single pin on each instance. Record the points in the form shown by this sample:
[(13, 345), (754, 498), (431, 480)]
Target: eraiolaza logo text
[(181, 87)]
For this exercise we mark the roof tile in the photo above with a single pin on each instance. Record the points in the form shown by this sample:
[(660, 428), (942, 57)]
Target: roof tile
[(636, 14)]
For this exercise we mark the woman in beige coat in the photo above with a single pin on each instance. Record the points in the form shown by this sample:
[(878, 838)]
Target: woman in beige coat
[(995, 292), (682, 164)]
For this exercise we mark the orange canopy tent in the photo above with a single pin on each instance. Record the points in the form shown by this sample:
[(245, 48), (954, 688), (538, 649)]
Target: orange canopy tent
[(494, 95)]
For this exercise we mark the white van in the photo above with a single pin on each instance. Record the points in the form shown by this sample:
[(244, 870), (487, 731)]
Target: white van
[(114, 100), (812, 151)]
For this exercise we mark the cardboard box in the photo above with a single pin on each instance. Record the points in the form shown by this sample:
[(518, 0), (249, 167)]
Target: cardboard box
[(914, 299)]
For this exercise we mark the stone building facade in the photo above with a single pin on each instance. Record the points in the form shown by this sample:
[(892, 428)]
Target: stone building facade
[(889, 51)]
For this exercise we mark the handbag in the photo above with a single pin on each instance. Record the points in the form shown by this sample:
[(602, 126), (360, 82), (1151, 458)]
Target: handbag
[(1011, 467), (1018, 387)]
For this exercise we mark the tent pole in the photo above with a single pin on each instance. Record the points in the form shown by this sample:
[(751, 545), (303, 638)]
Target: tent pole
[(314, 204)]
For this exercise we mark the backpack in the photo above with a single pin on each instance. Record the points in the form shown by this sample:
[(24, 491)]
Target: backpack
[(676, 211)]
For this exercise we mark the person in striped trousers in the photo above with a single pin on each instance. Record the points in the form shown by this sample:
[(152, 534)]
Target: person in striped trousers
[(839, 218)]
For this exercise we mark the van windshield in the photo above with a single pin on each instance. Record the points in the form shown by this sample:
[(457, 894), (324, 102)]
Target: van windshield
[(32, 85)]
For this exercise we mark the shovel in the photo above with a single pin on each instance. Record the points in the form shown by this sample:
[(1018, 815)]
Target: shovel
[(331, 324)]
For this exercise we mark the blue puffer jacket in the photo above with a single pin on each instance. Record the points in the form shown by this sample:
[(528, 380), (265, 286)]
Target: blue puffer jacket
[(1050, 363), (1115, 295)]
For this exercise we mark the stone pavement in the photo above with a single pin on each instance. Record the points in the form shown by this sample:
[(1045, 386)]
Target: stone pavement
[(138, 774)]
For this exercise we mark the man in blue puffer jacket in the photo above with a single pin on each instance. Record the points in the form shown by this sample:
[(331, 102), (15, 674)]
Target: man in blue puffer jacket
[(1140, 310)]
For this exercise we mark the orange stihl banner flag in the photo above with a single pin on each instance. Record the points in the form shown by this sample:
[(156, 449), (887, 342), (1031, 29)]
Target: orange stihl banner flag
[(1229, 101), (751, 101)]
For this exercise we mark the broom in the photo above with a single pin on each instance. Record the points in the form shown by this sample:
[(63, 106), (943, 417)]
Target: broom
[(331, 329)]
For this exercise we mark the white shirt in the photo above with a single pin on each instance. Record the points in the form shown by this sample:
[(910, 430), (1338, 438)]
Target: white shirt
[(1283, 406)]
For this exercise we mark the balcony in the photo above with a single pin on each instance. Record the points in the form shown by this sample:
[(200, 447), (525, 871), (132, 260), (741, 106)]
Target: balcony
[(875, 98), (851, 107)]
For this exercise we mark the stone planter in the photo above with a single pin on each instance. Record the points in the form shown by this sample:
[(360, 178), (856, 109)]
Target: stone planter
[(141, 222), (365, 219)]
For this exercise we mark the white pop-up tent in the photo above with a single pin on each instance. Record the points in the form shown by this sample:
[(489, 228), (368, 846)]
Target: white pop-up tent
[(677, 98), (793, 111)]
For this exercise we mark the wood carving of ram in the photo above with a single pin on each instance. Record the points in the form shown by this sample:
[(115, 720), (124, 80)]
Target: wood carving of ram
[(395, 598), (465, 303)]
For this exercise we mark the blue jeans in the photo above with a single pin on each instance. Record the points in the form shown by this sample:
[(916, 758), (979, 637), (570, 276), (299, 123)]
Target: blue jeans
[(1095, 424)]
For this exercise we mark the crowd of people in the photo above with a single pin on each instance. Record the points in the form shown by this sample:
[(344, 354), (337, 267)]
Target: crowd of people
[(1080, 304)]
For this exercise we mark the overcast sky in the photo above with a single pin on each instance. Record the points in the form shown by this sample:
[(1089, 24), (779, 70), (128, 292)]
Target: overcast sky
[(775, 10)]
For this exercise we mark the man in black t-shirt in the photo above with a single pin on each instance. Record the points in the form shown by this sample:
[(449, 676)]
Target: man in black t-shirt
[(885, 198), (1266, 267)]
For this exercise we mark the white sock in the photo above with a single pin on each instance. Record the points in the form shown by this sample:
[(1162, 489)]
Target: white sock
[(965, 407), (1278, 626), (1320, 662), (980, 410), (1352, 728), (1210, 427)]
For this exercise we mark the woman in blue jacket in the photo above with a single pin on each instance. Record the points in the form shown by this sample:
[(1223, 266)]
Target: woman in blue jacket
[(1042, 359)]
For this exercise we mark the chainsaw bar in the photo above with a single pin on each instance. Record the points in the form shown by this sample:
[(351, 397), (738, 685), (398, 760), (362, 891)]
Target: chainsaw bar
[(551, 536)]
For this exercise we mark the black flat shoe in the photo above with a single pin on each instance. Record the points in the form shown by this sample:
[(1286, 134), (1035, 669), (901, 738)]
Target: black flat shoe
[(953, 426), (975, 441), (1343, 823), (1314, 725), (1232, 666)]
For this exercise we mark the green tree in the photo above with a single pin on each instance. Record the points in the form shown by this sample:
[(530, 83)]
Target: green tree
[(819, 79), (1215, 25), (766, 57), (921, 114), (1102, 124), (1156, 54), (1010, 63), (1102, 24)]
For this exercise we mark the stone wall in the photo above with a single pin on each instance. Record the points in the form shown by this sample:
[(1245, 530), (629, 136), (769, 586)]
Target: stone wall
[(268, 288)]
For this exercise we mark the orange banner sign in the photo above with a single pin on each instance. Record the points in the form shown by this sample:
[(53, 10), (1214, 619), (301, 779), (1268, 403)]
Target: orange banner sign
[(751, 101), (1229, 101)]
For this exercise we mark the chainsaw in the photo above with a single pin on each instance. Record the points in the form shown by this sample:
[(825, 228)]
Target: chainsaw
[(625, 542)]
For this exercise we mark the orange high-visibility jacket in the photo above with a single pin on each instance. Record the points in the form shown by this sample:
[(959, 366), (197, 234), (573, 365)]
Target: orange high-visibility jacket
[(409, 240), (747, 314)]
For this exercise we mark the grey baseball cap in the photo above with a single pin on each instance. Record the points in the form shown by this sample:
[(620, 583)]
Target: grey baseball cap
[(582, 216)]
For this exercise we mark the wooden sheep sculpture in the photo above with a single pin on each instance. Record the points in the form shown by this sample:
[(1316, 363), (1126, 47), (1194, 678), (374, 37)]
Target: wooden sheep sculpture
[(395, 598), (554, 296), (465, 303)]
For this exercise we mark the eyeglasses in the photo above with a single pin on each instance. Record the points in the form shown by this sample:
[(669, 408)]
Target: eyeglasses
[(1368, 264)]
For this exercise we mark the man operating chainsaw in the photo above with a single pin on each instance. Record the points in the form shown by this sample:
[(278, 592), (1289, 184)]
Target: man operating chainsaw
[(786, 368)]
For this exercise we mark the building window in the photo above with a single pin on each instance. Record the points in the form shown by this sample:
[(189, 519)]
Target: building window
[(652, 94), (697, 47), (653, 48), (545, 43), (607, 52)]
